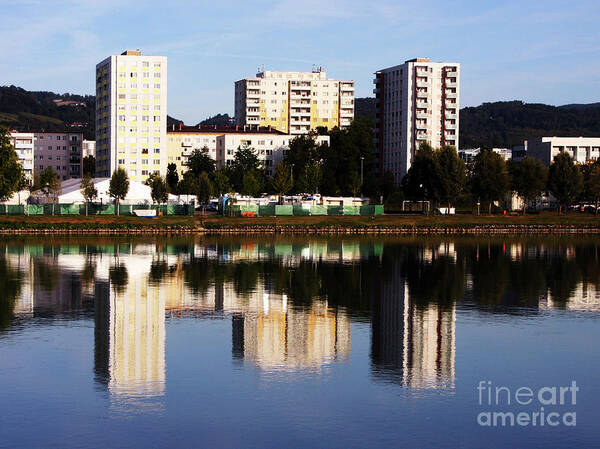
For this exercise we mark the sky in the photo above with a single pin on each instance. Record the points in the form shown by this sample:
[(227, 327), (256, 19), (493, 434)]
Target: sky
[(537, 51)]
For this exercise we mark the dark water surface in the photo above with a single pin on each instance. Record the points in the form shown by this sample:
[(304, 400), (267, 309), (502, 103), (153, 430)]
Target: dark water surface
[(296, 342)]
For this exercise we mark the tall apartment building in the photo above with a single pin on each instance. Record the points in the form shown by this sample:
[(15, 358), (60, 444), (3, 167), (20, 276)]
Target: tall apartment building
[(24, 147), (294, 102), (417, 101), (131, 115)]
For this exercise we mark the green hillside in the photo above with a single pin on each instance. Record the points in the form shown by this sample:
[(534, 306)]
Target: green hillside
[(508, 123)]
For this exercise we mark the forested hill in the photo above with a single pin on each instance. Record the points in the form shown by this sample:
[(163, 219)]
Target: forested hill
[(508, 123), (35, 111)]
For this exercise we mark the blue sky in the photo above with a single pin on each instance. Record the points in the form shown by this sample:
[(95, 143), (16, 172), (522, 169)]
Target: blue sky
[(535, 51)]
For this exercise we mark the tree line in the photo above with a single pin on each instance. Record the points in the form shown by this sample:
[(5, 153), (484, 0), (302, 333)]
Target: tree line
[(442, 177)]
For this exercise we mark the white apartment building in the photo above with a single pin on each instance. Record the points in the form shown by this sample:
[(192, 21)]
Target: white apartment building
[(24, 147), (88, 149), (468, 154), (223, 142), (131, 115), (417, 101), (581, 149), (294, 102)]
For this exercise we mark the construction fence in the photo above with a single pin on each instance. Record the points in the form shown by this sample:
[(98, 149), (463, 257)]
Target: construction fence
[(93, 209), (253, 210)]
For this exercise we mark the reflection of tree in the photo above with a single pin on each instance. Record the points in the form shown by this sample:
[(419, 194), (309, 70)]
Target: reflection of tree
[(118, 277), (245, 277), (158, 271), (46, 274), (88, 274), (490, 273), (10, 287)]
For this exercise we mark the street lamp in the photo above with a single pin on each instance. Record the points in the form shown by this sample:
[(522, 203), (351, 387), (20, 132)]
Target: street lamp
[(362, 159)]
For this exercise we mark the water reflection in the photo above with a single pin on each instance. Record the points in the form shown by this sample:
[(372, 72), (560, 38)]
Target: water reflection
[(291, 302)]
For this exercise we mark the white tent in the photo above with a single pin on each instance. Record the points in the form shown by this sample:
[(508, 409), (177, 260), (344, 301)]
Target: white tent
[(139, 193)]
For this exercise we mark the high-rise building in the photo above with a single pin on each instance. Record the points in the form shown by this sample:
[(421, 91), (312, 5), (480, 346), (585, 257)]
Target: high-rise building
[(294, 102), (131, 115), (416, 102)]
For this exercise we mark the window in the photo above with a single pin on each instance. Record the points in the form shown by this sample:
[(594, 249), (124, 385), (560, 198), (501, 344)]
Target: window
[(50, 148), (121, 161), (156, 150), (157, 118), (145, 64), (157, 75), (157, 85), (144, 172), (144, 161), (133, 74)]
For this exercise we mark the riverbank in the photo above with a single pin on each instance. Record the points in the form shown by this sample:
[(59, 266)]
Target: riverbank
[(545, 223)]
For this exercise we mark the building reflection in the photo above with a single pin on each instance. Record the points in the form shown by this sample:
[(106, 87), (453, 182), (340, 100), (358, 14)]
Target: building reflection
[(273, 336), (412, 344), (289, 303)]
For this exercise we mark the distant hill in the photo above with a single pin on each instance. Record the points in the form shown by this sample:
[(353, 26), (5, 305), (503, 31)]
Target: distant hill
[(508, 123), (219, 120), (35, 111)]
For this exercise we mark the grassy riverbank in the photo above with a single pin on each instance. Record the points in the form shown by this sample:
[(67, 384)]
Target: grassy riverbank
[(545, 222)]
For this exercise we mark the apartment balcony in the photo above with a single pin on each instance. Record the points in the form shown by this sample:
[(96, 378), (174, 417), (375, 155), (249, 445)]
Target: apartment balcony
[(422, 136), (422, 84), (347, 112), (450, 115), (451, 73), (451, 84), (376, 90), (449, 136), (451, 105), (421, 126), (346, 87), (451, 95), (423, 104), (450, 125), (27, 165), (75, 160), (422, 94)]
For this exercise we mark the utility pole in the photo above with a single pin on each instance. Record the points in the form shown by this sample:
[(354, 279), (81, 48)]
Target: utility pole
[(362, 159)]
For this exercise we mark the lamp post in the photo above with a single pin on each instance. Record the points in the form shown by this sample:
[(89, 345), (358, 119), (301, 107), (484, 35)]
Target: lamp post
[(362, 159)]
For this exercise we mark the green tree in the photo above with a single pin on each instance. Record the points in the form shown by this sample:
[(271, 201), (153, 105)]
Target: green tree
[(591, 182), (89, 165), (245, 162), (11, 170), (489, 177), (423, 178), (565, 180), (314, 175), (159, 190), (220, 182), (282, 181), (354, 184), (204, 189), (88, 190), (251, 184), (529, 177), (119, 186), (200, 161), (452, 175), (388, 184), (50, 185), (172, 177)]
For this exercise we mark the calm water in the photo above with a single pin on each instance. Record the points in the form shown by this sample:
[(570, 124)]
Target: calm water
[(289, 342)]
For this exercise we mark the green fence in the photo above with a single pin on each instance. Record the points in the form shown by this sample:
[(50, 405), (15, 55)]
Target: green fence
[(93, 209), (238, 210)]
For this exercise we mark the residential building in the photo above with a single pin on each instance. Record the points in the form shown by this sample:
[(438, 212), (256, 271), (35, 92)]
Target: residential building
[(581, 149), (294, 102), (59, 151), (24, 147), (223, 142), (417, 102), (88, 148), (469, 154), (131, 115)]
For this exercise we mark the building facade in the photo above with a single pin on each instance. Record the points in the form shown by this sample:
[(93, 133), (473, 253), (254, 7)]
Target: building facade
[(131, 115), (88, 148), (59, 151), (581, 149), (294, 102), (23, 144), (416, 102), (222, 143)]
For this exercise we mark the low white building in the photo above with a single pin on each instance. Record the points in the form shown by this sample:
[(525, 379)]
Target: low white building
[(581, 149), (468, 154), (139, 193)]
